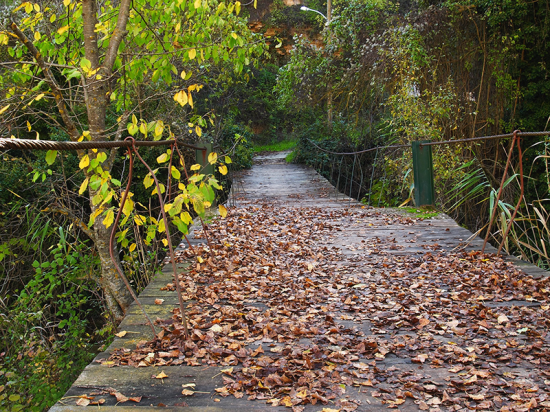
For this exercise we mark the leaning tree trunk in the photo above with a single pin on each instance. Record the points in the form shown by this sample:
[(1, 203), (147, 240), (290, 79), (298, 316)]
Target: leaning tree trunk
[(117, 296)]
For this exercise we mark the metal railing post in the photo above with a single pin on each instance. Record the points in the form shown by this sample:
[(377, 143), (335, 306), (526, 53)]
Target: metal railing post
[(423, 173), (202, 158)]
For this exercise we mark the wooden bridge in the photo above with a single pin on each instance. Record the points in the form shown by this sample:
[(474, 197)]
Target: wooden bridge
[(413, 322)]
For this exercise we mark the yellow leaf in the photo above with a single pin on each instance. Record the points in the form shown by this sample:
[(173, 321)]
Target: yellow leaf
[(198, 130), (164, 242), (37, 8), (159, 128), (212, 158), (186, 218), (182, 73), (238, 8), (66, 2), (196, 167), (162, 189), (132, 247), (40, 96), (148, 181), (3, 109), (109, 218), (84, 162), (63, 29), (128, 207), (161, 228), (163, 158), (223, 169), (139, 220), (200, 260), (234, 35), (223, 211), (190, 99), (227, 159), (83, 186), (28, 7), (37, 36), (192, 54), (29, 126), (121, 334), (197, 3), (181, 97)]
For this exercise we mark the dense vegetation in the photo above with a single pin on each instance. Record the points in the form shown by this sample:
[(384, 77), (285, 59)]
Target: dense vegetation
[(389, 72)]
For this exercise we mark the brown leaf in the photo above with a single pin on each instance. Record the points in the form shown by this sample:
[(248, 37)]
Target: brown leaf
[(422, 322), (83, 402), (159, 301), (119, 397)]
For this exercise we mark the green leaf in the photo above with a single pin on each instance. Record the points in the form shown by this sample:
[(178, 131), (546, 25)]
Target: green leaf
[(50, 156), (175, 173), (85, 64)]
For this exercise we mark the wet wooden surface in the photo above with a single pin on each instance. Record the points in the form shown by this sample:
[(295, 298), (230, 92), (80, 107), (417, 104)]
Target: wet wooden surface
[(270, 182)]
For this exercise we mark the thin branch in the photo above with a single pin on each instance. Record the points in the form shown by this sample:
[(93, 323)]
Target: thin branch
[(48, 77)]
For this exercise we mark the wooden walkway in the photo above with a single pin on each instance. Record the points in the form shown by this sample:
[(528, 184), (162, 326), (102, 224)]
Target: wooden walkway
[(358, 236)]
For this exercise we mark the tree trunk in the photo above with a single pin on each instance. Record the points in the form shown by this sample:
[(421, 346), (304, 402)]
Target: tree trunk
[(117, 296)]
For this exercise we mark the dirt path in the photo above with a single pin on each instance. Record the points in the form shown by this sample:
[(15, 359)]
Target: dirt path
[(308, 301)]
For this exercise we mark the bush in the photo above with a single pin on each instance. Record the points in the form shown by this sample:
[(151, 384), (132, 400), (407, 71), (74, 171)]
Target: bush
[(237, 141)]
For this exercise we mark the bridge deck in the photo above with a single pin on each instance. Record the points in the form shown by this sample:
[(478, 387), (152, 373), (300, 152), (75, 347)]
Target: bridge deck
[(371, 242)]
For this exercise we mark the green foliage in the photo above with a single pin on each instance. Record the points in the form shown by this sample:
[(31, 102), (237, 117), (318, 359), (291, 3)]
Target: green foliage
[(237, 140), (44, 331)]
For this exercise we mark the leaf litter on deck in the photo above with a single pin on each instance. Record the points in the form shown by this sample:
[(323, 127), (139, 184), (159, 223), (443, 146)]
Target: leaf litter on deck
[(296, 321)]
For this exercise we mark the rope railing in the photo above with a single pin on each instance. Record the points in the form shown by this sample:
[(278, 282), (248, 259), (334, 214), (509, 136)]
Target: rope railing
[(396, 146), (471, 139), (29, 144)]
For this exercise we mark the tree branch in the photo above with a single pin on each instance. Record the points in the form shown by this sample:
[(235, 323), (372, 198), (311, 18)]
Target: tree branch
[(77, 221), (118, 34), (49, 78)]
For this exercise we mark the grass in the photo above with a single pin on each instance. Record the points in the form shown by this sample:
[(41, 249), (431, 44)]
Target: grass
[(275, 147), (423, 212), (290, 157)]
